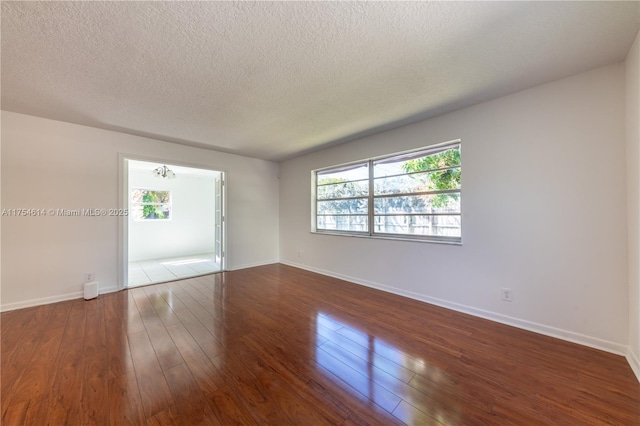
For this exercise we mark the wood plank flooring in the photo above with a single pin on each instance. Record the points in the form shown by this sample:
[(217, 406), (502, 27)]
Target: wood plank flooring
[(275, 345)]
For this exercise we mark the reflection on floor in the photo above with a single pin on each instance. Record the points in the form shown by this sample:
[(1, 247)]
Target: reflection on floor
[(172, 268)]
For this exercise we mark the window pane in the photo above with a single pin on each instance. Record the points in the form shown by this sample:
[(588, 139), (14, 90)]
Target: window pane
[(441, 226), (437, 203), (353, 206), (136, 212), (418, 182), (417, 162), (344, 174), (149, 204), (139, 195), (151, 211), (342, 190), (344, 223)]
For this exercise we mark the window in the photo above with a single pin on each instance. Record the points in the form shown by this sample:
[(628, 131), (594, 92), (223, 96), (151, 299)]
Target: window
[(343, 198), (412, 195), (147, 204)]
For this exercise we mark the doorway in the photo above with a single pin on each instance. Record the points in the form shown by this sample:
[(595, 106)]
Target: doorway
[(174, 229)]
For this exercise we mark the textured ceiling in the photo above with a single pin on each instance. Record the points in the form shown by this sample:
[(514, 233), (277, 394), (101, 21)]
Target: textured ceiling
[(276, 79)]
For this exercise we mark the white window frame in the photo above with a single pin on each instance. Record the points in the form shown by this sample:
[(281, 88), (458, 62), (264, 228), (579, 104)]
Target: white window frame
[(371, 197)]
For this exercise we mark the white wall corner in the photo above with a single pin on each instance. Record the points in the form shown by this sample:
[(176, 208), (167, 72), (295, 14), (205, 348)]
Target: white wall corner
[(632, 130), (570, 336), (634, 361)]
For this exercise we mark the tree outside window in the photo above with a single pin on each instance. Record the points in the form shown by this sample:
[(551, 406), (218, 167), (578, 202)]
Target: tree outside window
[(149, 204)]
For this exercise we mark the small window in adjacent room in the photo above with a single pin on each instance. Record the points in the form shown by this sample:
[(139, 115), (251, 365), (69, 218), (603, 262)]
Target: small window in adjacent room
[(148, 204), (409, 195)]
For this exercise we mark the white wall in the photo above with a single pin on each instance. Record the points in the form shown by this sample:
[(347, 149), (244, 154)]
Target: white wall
[(633, 197), (544, 205), (190, 230), (51, 164)]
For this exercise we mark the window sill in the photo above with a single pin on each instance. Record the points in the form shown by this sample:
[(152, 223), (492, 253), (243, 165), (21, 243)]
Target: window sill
[(391, 237)]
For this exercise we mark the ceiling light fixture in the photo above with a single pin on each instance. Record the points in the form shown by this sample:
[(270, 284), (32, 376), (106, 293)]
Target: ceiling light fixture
[(164, 172)]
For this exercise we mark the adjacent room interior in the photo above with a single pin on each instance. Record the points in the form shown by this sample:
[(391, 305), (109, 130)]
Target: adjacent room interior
[(382, 213), (174, 229)]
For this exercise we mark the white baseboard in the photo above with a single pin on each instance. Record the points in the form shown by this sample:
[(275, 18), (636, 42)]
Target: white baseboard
[(251, 265), (634, 362), (593, 342), (52, 299), (570, 336), (111, 289), (80, 294), (41, 301)]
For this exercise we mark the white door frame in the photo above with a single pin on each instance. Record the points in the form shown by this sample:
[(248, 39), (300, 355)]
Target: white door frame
[(123, 203)]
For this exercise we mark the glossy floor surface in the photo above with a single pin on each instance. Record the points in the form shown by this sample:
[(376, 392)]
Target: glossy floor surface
[(144, 272), (276, 345)]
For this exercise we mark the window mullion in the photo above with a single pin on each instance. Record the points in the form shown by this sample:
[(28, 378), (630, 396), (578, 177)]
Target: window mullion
[(346, 181), (410, 194), (358, 197), (441, 169), (371, 191)]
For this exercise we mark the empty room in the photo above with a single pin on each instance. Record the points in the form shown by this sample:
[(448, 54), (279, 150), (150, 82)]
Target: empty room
[(320, 213)]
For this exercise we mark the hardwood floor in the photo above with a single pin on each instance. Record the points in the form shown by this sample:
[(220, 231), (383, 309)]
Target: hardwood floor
[(277, 345)]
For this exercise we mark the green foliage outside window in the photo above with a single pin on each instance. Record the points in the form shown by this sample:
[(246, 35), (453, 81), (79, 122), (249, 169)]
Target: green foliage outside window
[(440, 180), (148, 204)]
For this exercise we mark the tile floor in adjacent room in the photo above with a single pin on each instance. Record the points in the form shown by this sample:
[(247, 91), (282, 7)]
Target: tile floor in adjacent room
[(160, 270)]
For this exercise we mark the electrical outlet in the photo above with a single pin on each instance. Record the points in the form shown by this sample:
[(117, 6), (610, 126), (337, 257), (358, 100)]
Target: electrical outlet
[(89, 276), (507, 295)]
